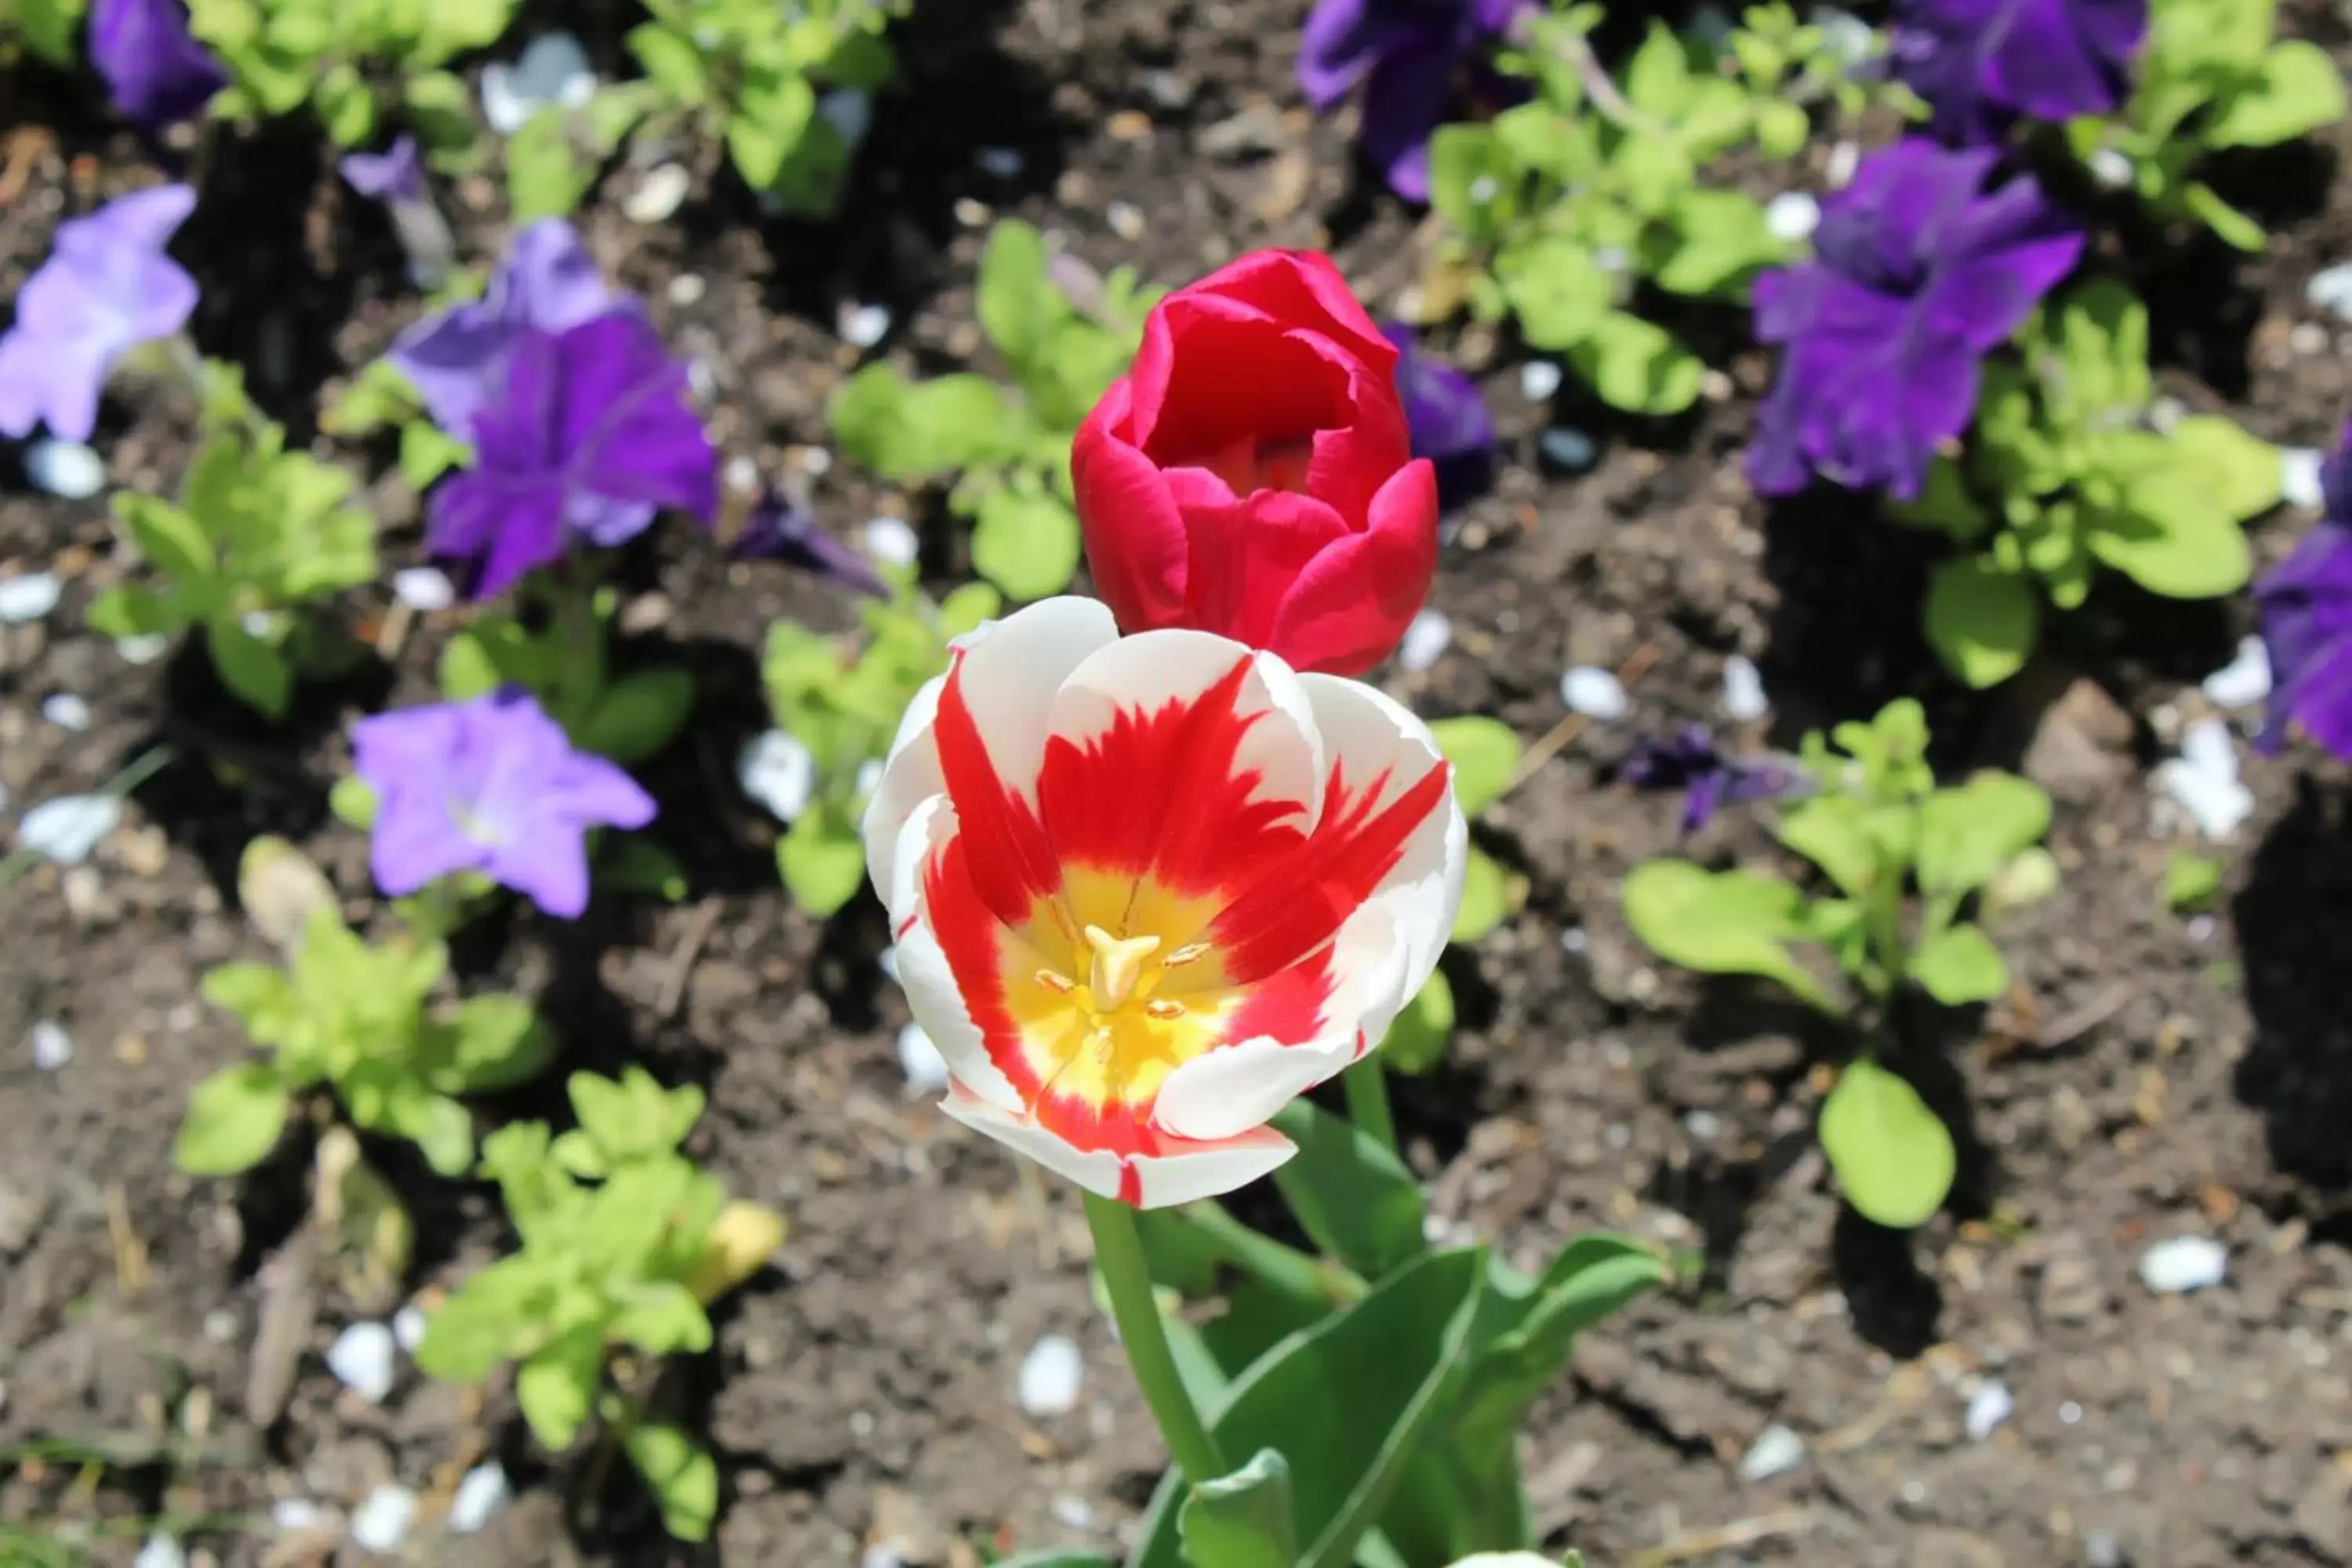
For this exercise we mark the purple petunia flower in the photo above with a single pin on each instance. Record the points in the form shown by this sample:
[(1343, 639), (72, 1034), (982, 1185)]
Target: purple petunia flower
[(780, 529), (1409, 55), (1981, 64), (1916, 275), (491, 785), (455, 358), (1448, 417), (590, 434), (396, 178), (106, 287), (1711, 780), (2307, 618), (395, 174), (155, 70)]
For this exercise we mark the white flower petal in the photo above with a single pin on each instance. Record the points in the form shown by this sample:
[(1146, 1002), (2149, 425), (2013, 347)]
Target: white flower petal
[(2299, 476), (1008, 678), (480, 1495), (66, 469), (1200, 1171), (1594, 692), (1743, 689), (1792, 215), (778, 772), (30, 596), (364, 1358), (925, 1068), (425, 589), (68, 828), (890, 540), (1427, 639), (933, 994), (2245, 680), (1050, 1375), (380, 1522), (910, 777)]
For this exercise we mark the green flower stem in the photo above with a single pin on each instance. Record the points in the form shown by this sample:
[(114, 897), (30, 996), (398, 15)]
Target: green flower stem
[(1119, 1252), (1368, 1101), (1282, 1268)]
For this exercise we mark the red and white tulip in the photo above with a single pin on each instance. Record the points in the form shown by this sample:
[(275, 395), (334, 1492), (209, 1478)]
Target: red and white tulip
[(1147, 890)]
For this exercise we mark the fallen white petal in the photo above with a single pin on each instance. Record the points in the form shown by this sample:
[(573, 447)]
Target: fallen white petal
[(1050, 1374), (1850, 39), (66, 712), (554, 69), (28, 596), (68, 828), (295, 1514), (2182, 1264), (2330, 289), (408, 1327), (1743, 689), (1991, 1405), (1593, 692), (483, 1490), (2203, 780), (2112, 168), (161, 1551), (2299, 470), (1538, 379), (862, 326), (1792, 215), (144, 648), (1429, 636), (926, 1069), (1003, 163), (890, 540), (850, 111), (52, 1046), (1567, 448), (381, 1522), (423, 589), (1844, 158), (363, 1360), (659, 194), (2245, 680), (1775, 1451), (66, 469), (779, 772)]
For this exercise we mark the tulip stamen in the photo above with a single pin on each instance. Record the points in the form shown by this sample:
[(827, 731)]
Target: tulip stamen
[(1190, 953), (1163, 1009), (1117, 966), (1053, 979)]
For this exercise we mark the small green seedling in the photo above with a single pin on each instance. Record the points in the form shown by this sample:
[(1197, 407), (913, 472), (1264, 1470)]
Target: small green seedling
[(258, 535), (624, 1243), (1066, 336), (356, 63), (1904, 858), (2212, 74), (46, 27), (2192, 883), (379, 399), (2065, 472), (1485, 756), (846, 709), (749, 72), (359, 1021), (1563, 209)]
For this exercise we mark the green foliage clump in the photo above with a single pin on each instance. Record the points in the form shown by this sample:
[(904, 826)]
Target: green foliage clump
[(351, 61)]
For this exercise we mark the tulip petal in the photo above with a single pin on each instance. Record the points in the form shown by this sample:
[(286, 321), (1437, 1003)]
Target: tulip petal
[(1134, 533), (1345, 610), (1303, 289), (909, 778), (1239, 377), (1352, 462), (938, 1004), (1247, 553), (1180, 1172)]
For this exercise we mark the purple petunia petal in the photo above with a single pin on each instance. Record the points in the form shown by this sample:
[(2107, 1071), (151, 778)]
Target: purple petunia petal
[(105, 288), (157, 74), (1981, 64), (395, 174), (2306, 625)]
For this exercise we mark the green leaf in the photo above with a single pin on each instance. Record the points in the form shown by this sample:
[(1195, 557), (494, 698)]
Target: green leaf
[(1486, 898), (1558, 292), (916, 430), (1722, 239), (639, 715), (48, 27), (427, 451), (2232, 225), (1637, 365), (764, 134), (556, 1385), (439, 108), (672, 61), (1981, 621), (680, 1472), (487, 1043), (172, 540), (441, 1128), (1351, 1193), (1485, 754), (1721, 922), (234, 1119), (1242, 1520), (1019, 307), (1968, 831), (663, 1318), (253, 670), (638, 864), (133, 610), (822, 860), (1418, 1038), (1346, 1400), (1026, 543), (353, 801), (2297, 89), (1961, 966), (467, 668), (1891, 1156), (545, 174), (469, 1334), (2191, 882), (1943, 504)]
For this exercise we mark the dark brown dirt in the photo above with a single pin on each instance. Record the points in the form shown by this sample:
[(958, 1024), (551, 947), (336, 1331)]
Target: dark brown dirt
[(2148, 1077)]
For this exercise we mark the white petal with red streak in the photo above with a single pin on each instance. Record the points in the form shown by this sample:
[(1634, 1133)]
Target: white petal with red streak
[(1146, 672), (1008, 679), (1236, 1087), (909, 778), (1365, 733), (1197, 1171), (932, 994)]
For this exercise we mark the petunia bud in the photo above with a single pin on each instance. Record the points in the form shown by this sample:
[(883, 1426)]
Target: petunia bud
[(1252, 474)]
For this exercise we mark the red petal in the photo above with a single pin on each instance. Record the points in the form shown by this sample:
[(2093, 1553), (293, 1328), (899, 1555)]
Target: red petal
[(974, 942), (1011, 865), (1351, 463), (1236, 376), (1246, 554), (1302, 289), (1134, 533), (1347, 608)]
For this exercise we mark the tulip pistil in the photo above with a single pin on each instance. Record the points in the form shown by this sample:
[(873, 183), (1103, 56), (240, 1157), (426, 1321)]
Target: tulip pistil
[(1117, 964)]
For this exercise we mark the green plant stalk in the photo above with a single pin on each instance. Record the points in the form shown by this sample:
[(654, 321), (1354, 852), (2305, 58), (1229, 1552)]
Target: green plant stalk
[(1119, 1252), (580, 680), (1282, 1268), (1884, 909), (1367, 1085)]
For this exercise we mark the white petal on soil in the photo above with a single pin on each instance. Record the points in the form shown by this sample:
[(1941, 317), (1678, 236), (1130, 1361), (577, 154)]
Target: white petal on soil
[(1743, 689), (2112, 168), (1050, 1374), (553, 70), (1775, 1451), (659, 194), (1593, 692), (2203, 780), (2182, 1264), (2245, 680), (1991, 1405), (66, 469), (1566, 447), (1850, 39), (144, 648), (28, 596), (1538, 379), (1844, 158), (161, 1551), (423, 589), (850, 111), (52, 1046), (2330, 289), (927, 1070), (408, 1327), (2299, 469), (862, 326), (480, 1494), (295, 1514), (1792, 215), (1429, 636), (381, 1522), (890, 540), (364, 1358), (779, 772), (66, 712), (1002, 163), (68, 828)]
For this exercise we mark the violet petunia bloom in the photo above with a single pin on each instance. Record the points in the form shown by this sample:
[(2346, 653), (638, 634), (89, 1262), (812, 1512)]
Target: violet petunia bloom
[(1409, 57), (105, 288), (1981, 65), (1447, 416), (395, 174), (455, 358), (781, 528), (491, 785), (157, 72), (396, 178), (1916, 274), (2306, 619), (590, 433), (1709, 780)]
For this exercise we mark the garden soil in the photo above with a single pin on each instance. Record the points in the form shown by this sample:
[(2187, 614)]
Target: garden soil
[(2149, 1077)]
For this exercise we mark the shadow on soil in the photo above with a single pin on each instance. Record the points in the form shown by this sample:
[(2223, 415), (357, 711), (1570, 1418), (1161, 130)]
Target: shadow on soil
[(2298, 1071)]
